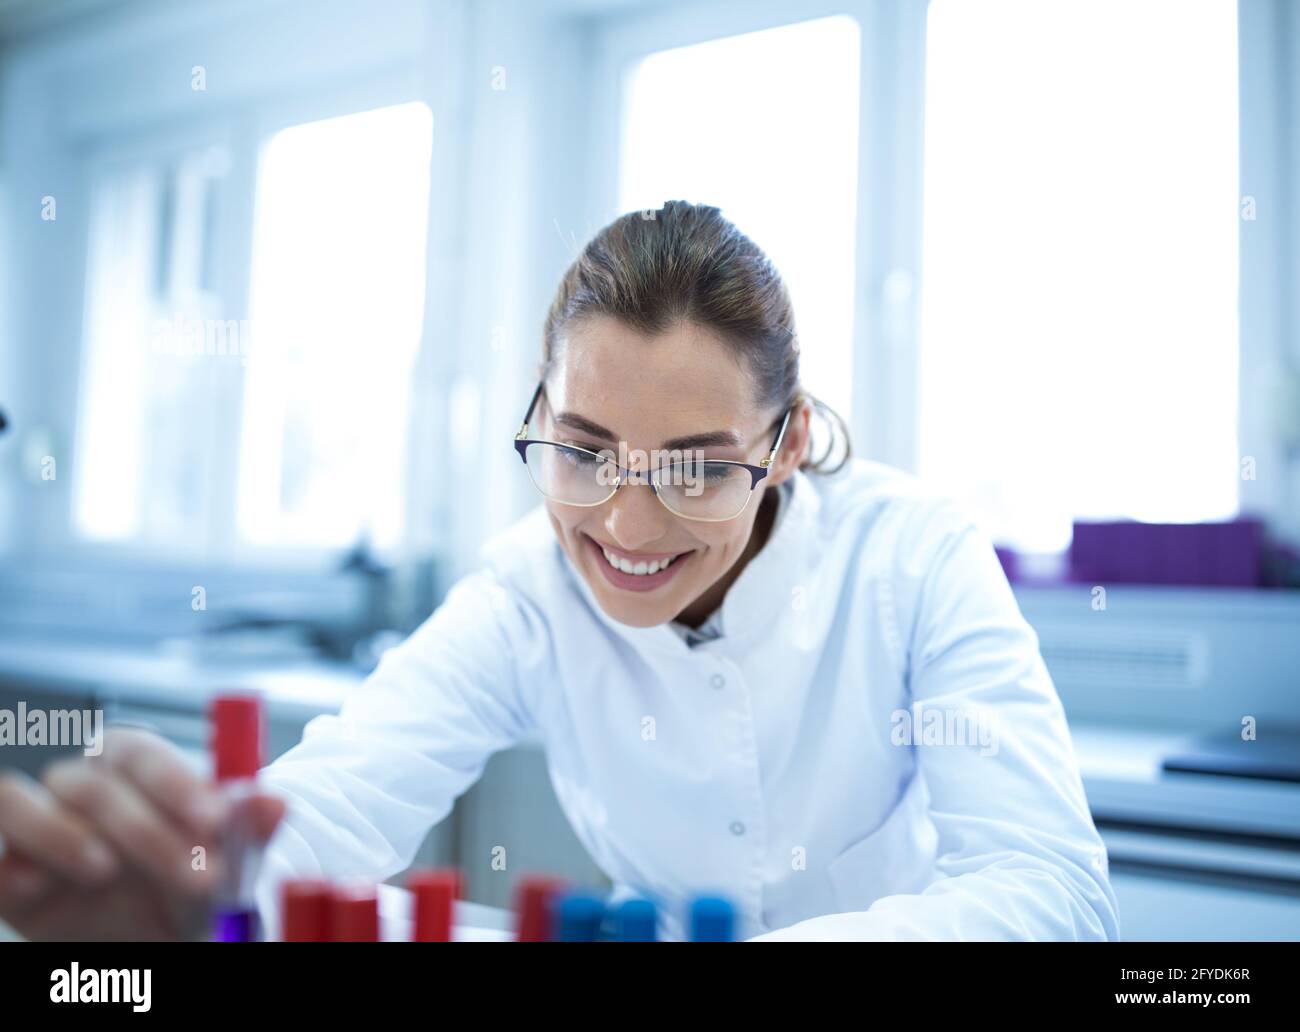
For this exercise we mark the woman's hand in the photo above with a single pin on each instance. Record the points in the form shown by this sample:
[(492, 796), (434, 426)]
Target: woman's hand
[(116, 847)]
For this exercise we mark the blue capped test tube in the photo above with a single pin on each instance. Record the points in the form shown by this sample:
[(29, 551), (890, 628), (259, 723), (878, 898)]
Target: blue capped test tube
[(712, 919), (579, 917), (635, 921)]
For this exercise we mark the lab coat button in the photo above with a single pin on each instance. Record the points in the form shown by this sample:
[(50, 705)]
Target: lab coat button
[(737, 828), (717, 680)]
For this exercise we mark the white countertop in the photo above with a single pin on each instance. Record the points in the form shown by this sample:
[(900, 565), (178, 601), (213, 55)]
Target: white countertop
[(1124, 780), (173, 677)]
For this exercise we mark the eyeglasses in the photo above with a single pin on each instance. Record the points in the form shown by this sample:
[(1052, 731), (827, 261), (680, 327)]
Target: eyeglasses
[(710, 490)]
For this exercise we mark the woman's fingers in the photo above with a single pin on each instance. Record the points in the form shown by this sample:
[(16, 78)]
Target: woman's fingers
[(266, 812), (137, 830), (35, 826), (139, 807), (21, 881), (158, 770)]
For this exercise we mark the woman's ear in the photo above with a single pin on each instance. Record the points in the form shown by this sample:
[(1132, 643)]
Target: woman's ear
[(794, 445)]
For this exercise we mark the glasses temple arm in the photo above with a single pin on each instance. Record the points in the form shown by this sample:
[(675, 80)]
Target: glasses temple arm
[(523, 427), (780, 435)]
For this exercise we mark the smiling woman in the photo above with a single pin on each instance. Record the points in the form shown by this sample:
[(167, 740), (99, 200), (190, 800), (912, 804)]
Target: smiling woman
[(678, 389), (758, 759), (717, 678), (670, 333)]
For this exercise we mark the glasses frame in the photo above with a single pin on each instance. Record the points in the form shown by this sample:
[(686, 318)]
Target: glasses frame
[(625, 475)]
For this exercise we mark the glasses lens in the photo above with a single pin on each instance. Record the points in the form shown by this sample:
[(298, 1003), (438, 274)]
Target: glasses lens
[(570, 475), (705, 490)]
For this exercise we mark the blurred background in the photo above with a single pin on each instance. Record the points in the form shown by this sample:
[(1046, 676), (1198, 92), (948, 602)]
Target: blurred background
[(272, 282)]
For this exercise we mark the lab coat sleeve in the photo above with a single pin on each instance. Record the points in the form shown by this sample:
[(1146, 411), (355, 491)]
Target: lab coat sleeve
[(364, 786), (1018, 855)]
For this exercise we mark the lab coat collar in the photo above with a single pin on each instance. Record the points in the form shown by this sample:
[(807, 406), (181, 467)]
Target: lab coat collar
[(756, 601)]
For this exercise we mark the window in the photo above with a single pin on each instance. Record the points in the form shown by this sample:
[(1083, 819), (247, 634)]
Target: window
[(1079, 321), (337, 303), (202, 431), (145, 398), (763, 125)]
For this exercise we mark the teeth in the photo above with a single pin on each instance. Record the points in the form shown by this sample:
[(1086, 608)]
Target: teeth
[(640, 569)]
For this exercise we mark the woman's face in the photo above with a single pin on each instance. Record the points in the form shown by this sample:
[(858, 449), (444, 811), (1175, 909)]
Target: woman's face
[(613, 386)]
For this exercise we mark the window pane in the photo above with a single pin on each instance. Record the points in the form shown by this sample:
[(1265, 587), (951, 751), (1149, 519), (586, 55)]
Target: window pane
[(145, 387), (336, 310), (764, 126), (111, 438), (1079, 342)]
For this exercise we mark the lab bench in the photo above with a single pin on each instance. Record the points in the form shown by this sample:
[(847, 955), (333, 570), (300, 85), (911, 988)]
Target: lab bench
[(1191, 856)]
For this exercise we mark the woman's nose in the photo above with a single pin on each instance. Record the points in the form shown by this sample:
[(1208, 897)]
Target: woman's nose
[(634, 517)]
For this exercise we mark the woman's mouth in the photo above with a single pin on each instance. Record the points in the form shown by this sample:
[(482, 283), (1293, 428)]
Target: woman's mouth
[(638, 574)]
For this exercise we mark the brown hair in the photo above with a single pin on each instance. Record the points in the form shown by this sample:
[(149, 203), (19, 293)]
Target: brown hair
[(685, 262)]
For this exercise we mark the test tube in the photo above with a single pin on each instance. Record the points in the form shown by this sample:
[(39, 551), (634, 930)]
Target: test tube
[(535, 907), (712, 919), (305, 910), (236, 722), (434, 894), (635, 921), (354, 913), (579, 918)]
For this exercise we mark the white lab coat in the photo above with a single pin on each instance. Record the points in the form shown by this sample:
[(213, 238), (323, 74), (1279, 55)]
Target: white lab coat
[(772, 765)]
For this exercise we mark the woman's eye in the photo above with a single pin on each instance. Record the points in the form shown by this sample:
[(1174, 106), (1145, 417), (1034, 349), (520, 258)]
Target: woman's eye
[(580, 459), (710, 474)]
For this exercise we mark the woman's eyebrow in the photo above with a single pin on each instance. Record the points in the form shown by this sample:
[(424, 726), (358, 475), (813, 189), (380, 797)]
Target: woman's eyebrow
[(713, 438), (576, 422)]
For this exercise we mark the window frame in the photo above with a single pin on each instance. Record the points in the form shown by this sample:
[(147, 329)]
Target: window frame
[(888, 219), (890, 194), (1268, 310), (244, 129)]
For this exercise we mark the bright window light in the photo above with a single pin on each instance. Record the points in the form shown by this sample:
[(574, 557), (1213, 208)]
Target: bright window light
[(336, 311), (1079, 340), (112, 455), (764, 126), (145, 397)]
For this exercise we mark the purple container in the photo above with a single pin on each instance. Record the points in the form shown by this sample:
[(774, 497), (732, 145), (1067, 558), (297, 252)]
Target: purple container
[(1219, 555)]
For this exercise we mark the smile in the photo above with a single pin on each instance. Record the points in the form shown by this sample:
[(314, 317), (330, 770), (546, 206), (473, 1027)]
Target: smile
[(636, 574)]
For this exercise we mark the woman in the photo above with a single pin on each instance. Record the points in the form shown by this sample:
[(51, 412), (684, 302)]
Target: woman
[(807, 686)]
